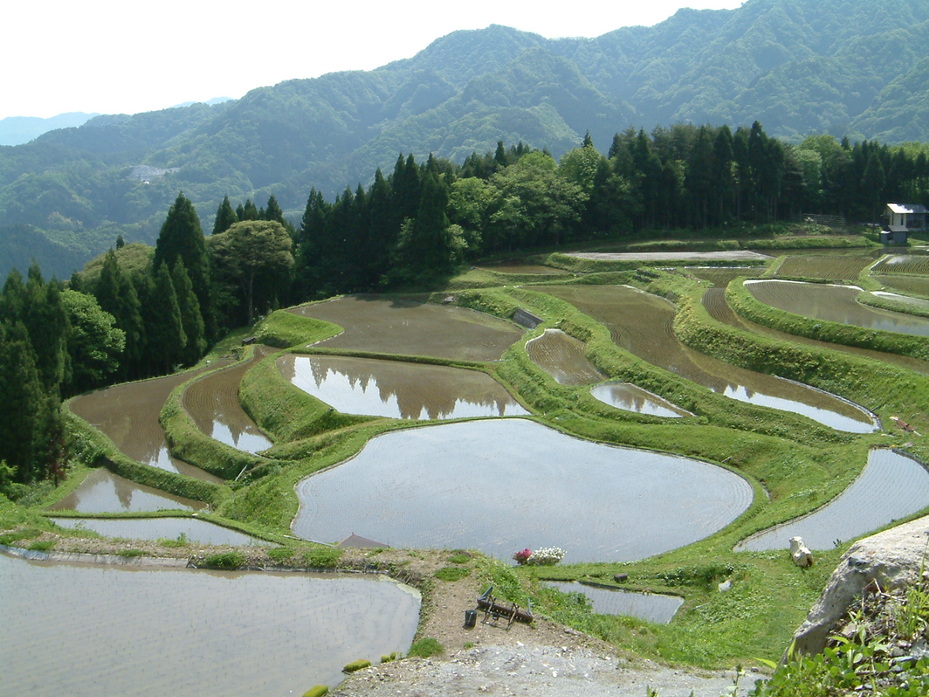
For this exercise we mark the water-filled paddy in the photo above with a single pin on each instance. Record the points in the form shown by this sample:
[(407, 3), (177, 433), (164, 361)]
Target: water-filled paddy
[(503, 485), (651, 607), (128, 415), (624, 395), (918, 285), (213, 403), (413, 328), (834, 304), (105, 492), (89, 631), (642, 324), (714, 300), (891, 486), (199, 531), (563, 357), (397, 389)]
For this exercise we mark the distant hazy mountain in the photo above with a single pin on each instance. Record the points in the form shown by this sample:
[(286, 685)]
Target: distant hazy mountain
[(16, 130), (798, 66)]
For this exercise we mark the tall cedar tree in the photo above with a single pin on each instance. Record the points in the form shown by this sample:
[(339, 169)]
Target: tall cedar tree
[(225, 217), (181, 237)]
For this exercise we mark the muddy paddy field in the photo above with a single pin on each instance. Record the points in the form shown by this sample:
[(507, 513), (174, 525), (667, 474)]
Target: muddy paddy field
[(666, 442)]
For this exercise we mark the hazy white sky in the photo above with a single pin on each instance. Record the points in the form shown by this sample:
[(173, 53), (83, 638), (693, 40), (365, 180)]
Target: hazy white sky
[(125, 56)]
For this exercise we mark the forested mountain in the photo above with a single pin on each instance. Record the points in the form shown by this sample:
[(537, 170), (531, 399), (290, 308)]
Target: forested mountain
[(800, 67), (15, 130)]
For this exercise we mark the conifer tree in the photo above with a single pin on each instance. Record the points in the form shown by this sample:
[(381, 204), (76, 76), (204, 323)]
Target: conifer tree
[(225, 217), (191, 319), (164, 328), (21, 394)]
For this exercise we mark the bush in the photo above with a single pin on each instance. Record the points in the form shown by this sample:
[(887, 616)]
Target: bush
[(316, 691), (280, 554), (322, 558), (224, 560), (355, 666), (426, 647)]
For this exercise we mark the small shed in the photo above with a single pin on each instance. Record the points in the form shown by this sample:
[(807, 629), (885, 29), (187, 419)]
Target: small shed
[(895, 234), (908, 216)]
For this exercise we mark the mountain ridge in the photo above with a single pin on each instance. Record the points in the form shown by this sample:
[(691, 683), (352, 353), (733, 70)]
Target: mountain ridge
[(800, 67)]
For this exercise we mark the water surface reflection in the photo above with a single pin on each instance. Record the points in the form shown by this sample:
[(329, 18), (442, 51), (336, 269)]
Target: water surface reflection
[(503, 485), (397, 389), (105, 492), (651, 607), (86, 631)]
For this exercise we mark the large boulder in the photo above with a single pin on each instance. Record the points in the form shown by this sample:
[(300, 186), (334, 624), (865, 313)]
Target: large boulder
[(892, 559)]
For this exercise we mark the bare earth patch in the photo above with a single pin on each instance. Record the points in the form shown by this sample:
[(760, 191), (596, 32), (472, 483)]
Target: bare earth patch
[(671, 256)]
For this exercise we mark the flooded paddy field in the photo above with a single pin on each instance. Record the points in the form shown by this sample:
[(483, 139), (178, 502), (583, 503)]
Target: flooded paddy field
[(834, 304), (563, 357), (105, 492), (119, 631), (624, 395), (128, 415), (414, 328), (916, 285), (891, 486), (397, 389), (739, 255), (194, 530), (503, 485), (714, 300), (919, 303), (642, 324), (912, 264), (213, 403), (651, 607)]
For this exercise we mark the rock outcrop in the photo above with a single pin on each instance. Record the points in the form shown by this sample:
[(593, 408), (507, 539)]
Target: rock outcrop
[(889, 560)]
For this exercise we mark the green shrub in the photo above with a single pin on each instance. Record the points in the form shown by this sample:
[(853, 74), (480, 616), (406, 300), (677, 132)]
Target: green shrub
[(426, 647), (42, 546), (387, 658), (452, 573), (356, 665), (280, 554), (322, 557), (130, 553), (459, 558), (224, 560), (316, 691)]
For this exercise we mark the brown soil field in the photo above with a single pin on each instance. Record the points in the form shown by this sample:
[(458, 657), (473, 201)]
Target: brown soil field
[(413, 328), (128, 415), (829, 268), (672, 256), (562, 357)]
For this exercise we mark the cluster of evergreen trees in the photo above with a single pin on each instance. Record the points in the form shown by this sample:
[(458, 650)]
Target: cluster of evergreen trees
[(421, 220)]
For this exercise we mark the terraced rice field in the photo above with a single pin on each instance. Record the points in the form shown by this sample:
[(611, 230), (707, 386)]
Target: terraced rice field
[(413, 328), (834, 304), (213, 403), (714, 300), (720, 276), (500, 485), (829, 268), (114, 631), (651, 607), (624, 395), (128, 415), (399, 390), (105, 492), (563, 357), (891, 486), (194, 530), (643, 325), (911, 264), (914, 285)]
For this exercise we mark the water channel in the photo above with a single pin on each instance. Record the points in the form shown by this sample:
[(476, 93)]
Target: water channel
[(86, 631), (502, 485), (399, 389), (642, 324)]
